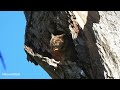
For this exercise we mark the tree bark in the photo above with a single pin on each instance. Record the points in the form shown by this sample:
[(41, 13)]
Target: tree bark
[(88, 48)]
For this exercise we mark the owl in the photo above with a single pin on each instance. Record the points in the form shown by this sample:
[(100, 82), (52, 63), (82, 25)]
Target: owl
[(56, 44)]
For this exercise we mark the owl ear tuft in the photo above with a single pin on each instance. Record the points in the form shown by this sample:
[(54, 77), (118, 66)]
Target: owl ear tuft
[(61, 35), (57, 35), (52, 35)]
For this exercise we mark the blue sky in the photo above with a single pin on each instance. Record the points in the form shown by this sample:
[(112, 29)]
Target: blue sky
[(12, 29)]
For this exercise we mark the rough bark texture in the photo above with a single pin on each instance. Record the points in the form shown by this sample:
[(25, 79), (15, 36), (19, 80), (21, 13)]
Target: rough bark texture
[(90, 47)]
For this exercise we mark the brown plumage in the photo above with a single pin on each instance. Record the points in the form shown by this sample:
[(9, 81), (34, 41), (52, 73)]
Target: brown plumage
[(56, 44)]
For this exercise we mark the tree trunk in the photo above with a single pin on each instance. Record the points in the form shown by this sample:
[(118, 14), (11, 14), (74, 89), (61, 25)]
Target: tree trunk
[(74, 44)]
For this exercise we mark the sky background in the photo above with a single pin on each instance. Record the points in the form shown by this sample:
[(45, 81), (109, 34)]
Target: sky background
[(12, 30)]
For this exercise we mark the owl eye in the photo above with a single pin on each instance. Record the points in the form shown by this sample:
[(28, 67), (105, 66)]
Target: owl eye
[(57, 41)]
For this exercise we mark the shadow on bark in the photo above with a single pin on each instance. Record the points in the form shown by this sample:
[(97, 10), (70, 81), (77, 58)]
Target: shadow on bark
[(95, 59)]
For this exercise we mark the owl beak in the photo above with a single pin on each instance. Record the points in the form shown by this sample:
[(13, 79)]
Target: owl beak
[(56, 49)]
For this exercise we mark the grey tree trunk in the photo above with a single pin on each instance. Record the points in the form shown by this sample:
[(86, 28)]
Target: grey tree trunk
[(88, 47)]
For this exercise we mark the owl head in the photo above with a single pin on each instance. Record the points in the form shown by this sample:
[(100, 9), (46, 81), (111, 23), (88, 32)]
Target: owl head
[(57, 42)]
